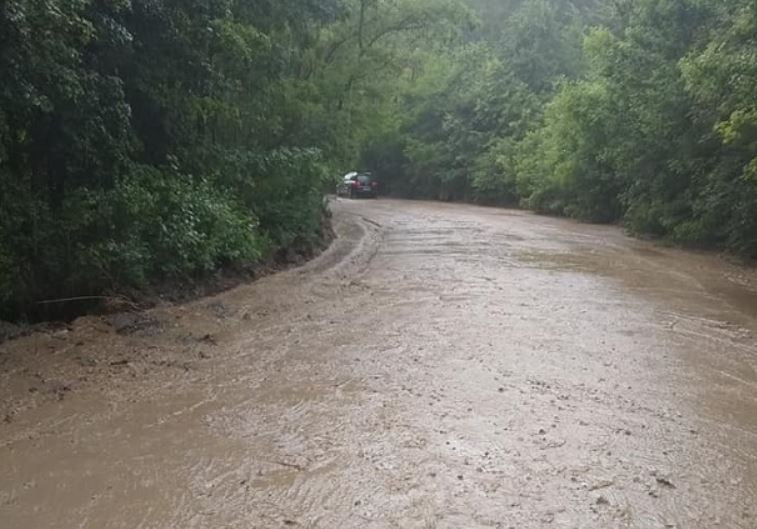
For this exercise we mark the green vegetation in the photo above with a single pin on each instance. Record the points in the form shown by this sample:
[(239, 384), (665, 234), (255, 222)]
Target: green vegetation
[(640, 111), (145, 140)]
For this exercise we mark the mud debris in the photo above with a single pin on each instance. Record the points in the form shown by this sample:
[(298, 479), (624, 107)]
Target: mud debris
[(281, 402)]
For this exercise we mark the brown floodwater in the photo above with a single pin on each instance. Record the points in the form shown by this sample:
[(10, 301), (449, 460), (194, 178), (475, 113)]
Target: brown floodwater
[(440, 366)]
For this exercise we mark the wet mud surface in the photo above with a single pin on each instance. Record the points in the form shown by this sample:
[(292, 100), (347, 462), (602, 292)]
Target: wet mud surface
[(440, 366)]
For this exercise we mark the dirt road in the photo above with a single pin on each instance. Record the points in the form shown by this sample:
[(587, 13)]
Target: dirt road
[(441, 366)]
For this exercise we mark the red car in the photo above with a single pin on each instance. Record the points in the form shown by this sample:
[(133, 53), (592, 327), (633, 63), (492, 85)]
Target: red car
[(355, 185)]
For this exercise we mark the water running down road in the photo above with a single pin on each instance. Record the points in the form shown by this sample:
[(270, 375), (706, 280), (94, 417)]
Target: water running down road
[(441, 366)]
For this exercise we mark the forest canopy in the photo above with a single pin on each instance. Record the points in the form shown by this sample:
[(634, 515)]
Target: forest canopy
[(145, 140)]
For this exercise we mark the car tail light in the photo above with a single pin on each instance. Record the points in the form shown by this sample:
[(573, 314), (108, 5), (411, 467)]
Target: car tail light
[(355, 184)]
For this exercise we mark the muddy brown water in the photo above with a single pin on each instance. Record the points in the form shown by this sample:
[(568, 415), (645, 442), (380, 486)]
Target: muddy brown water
[(440, 366)]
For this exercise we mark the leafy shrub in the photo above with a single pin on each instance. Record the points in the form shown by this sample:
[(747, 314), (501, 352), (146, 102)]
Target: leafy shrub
[(180, 225), (153, 224), (283, 188)]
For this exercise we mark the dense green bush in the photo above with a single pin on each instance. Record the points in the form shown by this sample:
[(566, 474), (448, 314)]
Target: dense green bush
[(147, 227), (167, 227)]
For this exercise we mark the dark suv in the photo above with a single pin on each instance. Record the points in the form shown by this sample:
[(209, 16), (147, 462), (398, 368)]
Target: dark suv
[(355, 185)]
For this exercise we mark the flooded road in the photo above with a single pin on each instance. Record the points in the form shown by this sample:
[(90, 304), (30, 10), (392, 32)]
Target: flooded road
[(440, 366)]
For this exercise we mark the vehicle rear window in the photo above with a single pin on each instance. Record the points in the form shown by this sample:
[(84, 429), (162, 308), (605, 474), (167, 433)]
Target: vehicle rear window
[(364, 179)]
